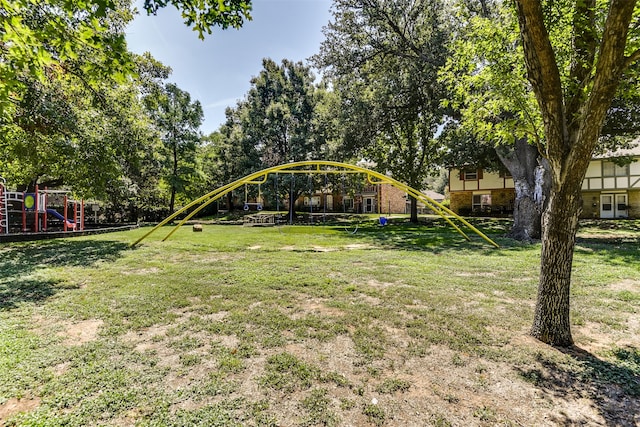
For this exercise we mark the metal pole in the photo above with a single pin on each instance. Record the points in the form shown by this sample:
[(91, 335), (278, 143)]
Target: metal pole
[(24, 213), (36, 226), (65, 213), (310, 199), (44, 210), (291, 201)]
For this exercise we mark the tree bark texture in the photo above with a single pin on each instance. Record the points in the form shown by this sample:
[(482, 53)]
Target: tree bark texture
[(551, 322), (532, 187), (230, 206), (414, 210)]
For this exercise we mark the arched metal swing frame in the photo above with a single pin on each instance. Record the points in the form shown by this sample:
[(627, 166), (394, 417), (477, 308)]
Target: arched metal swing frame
[(313, 167)]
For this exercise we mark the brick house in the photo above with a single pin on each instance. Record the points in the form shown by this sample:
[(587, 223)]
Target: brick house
[(608, 190), (372, 198)]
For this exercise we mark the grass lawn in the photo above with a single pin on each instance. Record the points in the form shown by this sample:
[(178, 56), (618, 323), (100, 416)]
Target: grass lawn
[(312, 325)]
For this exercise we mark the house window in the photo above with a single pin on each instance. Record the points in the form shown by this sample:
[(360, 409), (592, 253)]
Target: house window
[(505, 174), (348, 203), (611, 169), (470, 175), (481, 202), (369, 205), (315, 201)]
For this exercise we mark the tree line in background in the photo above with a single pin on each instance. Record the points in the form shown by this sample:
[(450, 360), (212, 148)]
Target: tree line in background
[(410, 86), (109, 127), (535, 87)]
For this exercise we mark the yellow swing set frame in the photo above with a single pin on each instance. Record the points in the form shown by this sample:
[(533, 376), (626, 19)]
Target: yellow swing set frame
[(313, 167)]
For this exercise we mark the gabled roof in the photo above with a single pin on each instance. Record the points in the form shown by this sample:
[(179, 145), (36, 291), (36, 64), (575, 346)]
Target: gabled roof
[(433, 195), (633, 151)]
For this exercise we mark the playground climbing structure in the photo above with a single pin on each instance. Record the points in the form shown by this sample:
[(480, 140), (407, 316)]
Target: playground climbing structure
[(39, 211)]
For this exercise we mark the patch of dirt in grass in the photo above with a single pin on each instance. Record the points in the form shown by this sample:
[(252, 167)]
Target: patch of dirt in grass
[(356, 246), (73, 333), (323, 249), (476, 274), (147, 339), (440, 386), (140, 271), (368, 299), (444, 386), (229, 341), (314, 248), (589, 336), (626, 285), (316, 306), (15, 406), (181, 378), (80, 332), (380, 285), (246, 380), (61, 368), (210, 257), (594, 340), (467, 390), (633, 323), (216, 317)]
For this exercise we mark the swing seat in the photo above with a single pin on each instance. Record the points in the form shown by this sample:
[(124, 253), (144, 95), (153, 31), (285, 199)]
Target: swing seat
[(383, 221), (258, 206)]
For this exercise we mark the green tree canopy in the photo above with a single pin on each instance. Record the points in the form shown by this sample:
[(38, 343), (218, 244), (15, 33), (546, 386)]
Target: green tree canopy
[(383, 58), (177, 119), (63, 131), (282, 119), (203, 15), (85, 38), (280, 113), (577, 56)]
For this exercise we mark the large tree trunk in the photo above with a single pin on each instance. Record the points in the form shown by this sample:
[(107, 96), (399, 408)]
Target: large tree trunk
[(414, 210), (230, 206), (551, 322), (572, 121), (530, 173), (172, 200)]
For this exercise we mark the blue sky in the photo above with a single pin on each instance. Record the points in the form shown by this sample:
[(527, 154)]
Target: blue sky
[(217, 71)]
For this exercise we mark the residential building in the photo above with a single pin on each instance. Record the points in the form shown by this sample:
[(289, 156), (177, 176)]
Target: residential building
[(611, 188), (372, 198), (477, 191)]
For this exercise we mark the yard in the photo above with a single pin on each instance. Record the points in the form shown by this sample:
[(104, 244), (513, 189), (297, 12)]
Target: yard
[(311, 325)]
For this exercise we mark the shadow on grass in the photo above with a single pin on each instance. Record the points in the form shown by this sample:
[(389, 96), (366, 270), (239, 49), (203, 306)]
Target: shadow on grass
[(435, 235), (615, 249), (20, 266), (613, 387)]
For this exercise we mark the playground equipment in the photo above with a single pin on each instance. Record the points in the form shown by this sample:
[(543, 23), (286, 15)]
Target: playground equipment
[(33, 211), (254, 206), (315, 167)]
